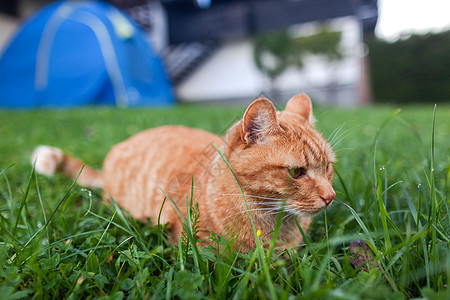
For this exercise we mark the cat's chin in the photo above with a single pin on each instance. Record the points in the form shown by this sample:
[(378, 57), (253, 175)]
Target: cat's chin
[(313, 213)]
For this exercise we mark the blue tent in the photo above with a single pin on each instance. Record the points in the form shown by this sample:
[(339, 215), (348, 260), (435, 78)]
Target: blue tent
[(74, 53)]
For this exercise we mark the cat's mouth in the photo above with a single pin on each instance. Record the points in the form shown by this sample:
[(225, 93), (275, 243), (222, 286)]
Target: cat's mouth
[(323, 206)]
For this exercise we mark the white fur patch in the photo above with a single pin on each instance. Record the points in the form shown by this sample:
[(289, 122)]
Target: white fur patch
[(47, 159)]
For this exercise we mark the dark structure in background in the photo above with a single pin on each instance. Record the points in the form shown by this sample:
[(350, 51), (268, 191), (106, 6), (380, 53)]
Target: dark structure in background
[(188, 21), (411, 70), (10, 8), (236, 18)]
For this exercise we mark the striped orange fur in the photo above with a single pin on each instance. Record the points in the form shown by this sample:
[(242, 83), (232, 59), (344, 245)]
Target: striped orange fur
[(281, 162)]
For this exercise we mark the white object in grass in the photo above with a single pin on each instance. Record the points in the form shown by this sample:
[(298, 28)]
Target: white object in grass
[(47, 159)]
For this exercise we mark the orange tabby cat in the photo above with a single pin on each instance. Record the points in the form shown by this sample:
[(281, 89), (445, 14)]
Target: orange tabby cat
[(281, 162)]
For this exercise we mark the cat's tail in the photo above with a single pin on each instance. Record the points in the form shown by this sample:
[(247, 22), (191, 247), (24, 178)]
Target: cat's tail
[(49, 160)]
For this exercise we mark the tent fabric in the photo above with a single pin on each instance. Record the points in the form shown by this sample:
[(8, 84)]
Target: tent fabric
[(75, 53)]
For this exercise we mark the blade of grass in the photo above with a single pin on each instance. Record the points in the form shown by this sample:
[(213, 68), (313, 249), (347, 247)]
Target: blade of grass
[(13, 238), (411, 206), (189, 232), (191, 235), (259, 250), (242, 191), (43, 211), (344, 186), (9, 197), (130, 227), (22, 202), (383, 212), (405, 246), (365, 230), (64, 198), (433, 198), (383, 125), (435, 213), (160, 232)]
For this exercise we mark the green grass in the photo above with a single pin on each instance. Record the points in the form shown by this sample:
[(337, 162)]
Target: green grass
[(58, 240)]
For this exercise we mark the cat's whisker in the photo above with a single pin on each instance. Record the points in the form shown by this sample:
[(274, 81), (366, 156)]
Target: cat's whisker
[(265, 206), (335, 132), (340, 138), (269, 210), (287, 215), (293, 210), (272, 207), (341, 135), (266, 202), (343, 149), (274, 213), (259, 209), (252, 196), (338, 142), (279, 207)]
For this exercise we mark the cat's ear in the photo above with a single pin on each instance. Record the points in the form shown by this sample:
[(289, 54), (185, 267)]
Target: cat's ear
[(259, 121), (301, 104)]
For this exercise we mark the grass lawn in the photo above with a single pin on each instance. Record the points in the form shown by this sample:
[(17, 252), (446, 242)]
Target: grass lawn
[(392, 185)]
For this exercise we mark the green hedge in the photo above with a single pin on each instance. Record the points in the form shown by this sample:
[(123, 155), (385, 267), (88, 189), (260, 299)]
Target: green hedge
[(416, 69)]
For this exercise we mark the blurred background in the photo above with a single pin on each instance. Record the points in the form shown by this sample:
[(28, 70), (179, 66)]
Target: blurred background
[(157, 53)]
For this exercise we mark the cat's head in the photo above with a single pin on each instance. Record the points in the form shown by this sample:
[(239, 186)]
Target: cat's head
[(280, 156)]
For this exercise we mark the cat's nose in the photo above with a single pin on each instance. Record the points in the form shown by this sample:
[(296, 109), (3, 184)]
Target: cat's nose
[(328, 197)]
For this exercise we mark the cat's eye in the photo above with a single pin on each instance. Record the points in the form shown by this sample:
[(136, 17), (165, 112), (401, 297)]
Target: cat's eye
[(297, 172)]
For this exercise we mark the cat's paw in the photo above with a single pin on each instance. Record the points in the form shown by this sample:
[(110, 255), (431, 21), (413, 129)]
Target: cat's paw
[(47, 159)]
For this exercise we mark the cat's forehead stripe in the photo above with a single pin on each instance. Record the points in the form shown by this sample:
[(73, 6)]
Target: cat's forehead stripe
[(313, 149), (309, 147), (315, 145), (305, 158)]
